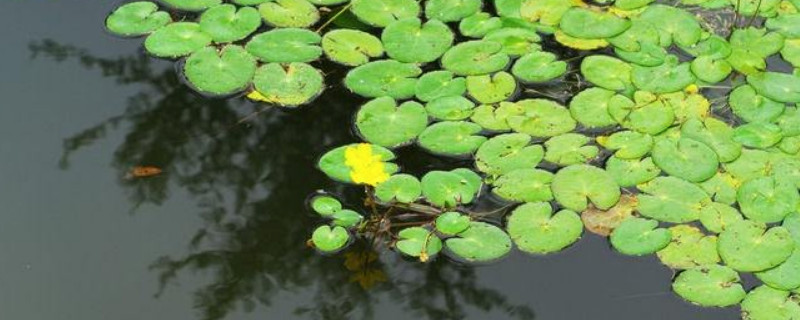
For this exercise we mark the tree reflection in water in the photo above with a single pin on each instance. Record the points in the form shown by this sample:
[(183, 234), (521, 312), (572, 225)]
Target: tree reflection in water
[(250, 181)]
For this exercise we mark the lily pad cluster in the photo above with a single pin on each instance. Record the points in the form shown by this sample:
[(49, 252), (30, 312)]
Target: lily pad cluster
[(682, 139)]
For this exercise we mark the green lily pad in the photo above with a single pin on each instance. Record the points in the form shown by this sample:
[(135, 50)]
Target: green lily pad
[(351, 47), (447, 189), (715, 134), (631, 4), (228, 71), (574, 186), (538, 66), (384, 78), (709, 70), (781, 87), (191, 5), (631, 172), (638, 237), (516, 41), (452, 223), (289, 13), (671, 199), (524, 185), (547, 12), (541, 118), (674, 25), (491, 88), (765, 303), (286, 45), (474, 58), (358, 163), (479, 24), (288, 85), (450, 108), (452, 138), (507, 152), (768, 199), (381, 121), (224, 23), (749, 246), (569, 148), (346, 218), (481, 242), (325, 205), (754, 7), (249, 2), (590, 24), (786, 276), (494, 117), (535, 229), (751, 164), (791, 52), (714, 47), (689, 248), (687, 106), (418, 242), (136, 19), (710, 286), (685, 158), (789, 122), (639, 37), (409, 40), (721, 187), (381, 13), (176, 39), (590, 107), (451, 10), (439, 84), (607, 72), (787, 25), (328, 239), (603, 222), (403, 188), (628, 144), (649, 55), (671, 76), (648, 114), (758, 135), (753, 107), (716, 217)]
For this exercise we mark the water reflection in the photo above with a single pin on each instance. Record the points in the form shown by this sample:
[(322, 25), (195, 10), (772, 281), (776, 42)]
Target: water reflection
[(250, 177)]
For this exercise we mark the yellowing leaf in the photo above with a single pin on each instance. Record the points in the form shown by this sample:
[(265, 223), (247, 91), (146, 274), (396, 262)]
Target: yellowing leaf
[(580, 44), (366, 166)]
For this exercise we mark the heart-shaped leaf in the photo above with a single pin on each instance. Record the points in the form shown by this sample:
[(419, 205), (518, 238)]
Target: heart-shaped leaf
[(507, 152), (351, 47), (289, 13), (176, 39), (439, 84), (686, 159), (384, 78), (524, 185), (328, 239), (710, 286), (402, 188), (750, 246), (452, 138), (576, 185), (689, 248), (535, 229), (224, 23), (136, 19), (452, 223), (491, 88), (475, 58), (381, 121), (286, 45), (293, 84), (638, 237), (418, 242), (409, 40), (228, 71), (481, 242), (671, 199)]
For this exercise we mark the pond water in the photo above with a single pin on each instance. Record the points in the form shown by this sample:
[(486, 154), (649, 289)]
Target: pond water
[(221, 233)]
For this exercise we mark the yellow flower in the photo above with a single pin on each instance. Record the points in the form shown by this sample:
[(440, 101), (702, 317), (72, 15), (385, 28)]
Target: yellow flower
[(692, 89), (366, 167)]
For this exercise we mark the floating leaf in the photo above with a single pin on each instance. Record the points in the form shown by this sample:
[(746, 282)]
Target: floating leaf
[(381, 13), (749, 246), (638, 237), (687, 106), (689, 248), (765, 303), (768, 199), (757, 135), (451, 10), (191, 5), (628, 144), (781, 87), (578, 43), (289, 13), (176, 39), (787, 25), (716, 135), (590, 107), (288, 85), (631, 172), (789, 122), (491, 88), (673, 25), (409, 40), (452, 138), (328, 239), (671, 199), (402, 188), (228, 71), (548, 12), (648, 114), (439, 84), (716, 216), (516, 41), (710, 286), (785, 276), (136, 19), (791, 52), (535, 229), (575, 185), (541, 118), (351, 47), (751, 164), (538, 67), (346, 218), (286, 45), (524, 185), (325, 205), (381, 121), (709, 70), (686, 159), (452, 223), (569, 148), (450, 108), (649, 55), (383, 78), (590, 24), (358, 163), (641, 34), (494, 117), (479, 24), (475, 58), (224, 23), (447, 189), (607, 72), (671, 76), (752, 107), (603, 222), (507, 152), (418, 242), (481, 242)]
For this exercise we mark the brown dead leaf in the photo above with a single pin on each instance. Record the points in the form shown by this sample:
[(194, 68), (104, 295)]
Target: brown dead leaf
[(602, 222)]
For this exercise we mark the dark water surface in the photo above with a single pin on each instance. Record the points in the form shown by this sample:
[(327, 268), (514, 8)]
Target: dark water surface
[(221, 233)]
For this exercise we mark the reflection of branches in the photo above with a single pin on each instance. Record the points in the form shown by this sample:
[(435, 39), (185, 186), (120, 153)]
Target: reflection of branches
[(250, 181)]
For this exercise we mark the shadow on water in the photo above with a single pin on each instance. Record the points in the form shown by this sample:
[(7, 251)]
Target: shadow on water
[(250, 180)]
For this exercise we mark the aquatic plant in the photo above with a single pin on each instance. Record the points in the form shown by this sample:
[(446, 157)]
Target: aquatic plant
[(639, 154)]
